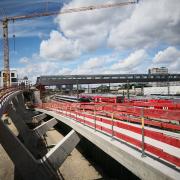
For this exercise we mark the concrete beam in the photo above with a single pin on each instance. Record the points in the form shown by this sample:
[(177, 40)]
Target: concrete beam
[(44, 127), (30, 137), (38, 117), (62, 150), (27, 165), (18, 122), (30, 167)]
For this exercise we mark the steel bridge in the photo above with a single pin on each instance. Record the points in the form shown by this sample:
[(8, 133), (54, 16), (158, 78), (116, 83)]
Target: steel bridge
[(105, 78)]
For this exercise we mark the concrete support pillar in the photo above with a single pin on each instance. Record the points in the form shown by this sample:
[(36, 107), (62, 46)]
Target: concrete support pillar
[(31, 138), (109, 87), (38, 118), (30, 167), (77, 90), (168, 88), (25, 115), (20, 99), (88, 89), (62, 150), (43, 128), (142, 90), (128, 89)]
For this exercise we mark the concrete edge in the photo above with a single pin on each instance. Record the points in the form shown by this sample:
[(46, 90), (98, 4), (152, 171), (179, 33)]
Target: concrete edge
[(144, 168)]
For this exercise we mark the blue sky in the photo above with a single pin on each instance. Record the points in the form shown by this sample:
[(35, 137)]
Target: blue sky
[(129, 39)]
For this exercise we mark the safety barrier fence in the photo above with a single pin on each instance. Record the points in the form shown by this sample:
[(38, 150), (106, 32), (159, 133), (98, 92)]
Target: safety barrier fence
[(147, 139), (149, 103), (156, 105), (166, 119)]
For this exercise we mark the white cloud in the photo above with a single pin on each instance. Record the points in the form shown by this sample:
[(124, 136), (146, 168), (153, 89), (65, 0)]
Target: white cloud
[(33, 70), (65, 71), (152, 22), (132, 28), (103, 65), (87, 31), (131, 62), (24, 60), (169, 57), (146, 24), (93, 65), (171, 54), (59, 48)]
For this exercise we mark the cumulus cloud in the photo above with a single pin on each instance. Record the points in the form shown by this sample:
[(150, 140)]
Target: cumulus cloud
[(24, 60), (33, 70), (169, 57), (83, 31), (152, 22), (93, 65), (103, 65), (64, 71), (146, 24), (57, 47), (131, 62), (134, 29)]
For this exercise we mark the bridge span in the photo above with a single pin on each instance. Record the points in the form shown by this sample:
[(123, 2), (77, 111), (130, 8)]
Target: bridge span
[(148, 152), (105, 78)]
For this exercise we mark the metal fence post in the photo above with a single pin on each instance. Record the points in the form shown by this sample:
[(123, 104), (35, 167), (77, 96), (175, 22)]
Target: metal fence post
[(112, 118), (70, 111), (76, 114), (84, 116), (95, 117), (142, 128), (66, 110)]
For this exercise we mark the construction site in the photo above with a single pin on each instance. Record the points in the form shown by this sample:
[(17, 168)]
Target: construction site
[(93, 100)]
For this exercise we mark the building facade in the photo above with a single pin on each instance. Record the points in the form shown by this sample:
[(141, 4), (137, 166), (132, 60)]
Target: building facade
[(24, 81), (161, 70), (13, 78)]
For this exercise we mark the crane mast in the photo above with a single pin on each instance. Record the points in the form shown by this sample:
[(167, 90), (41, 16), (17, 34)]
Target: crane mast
[(6, 73)]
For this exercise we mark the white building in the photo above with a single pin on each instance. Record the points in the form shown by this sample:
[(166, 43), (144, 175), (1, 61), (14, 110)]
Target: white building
[(161, 70), (13, 77), (173, 90), (24, 81)]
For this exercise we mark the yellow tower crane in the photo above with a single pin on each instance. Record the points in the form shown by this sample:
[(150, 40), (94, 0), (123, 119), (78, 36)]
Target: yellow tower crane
[(6, 74)]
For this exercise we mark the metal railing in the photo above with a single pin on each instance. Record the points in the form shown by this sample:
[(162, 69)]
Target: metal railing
[(109, 120)]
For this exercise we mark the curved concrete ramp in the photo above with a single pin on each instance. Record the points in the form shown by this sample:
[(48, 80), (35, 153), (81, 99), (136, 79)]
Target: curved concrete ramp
[(145, 168), (24, 151)]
